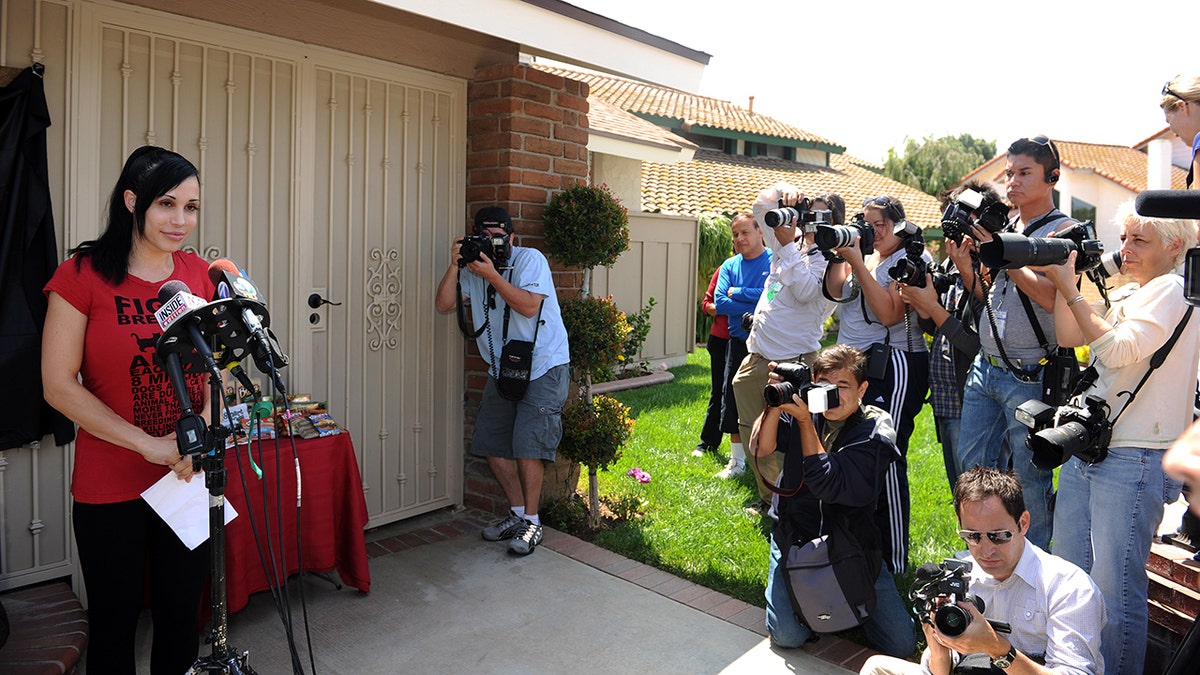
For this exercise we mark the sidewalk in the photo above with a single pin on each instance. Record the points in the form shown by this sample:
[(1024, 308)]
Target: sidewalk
[(443, 600)]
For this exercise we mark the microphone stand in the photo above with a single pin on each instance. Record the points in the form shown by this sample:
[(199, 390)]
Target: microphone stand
[(224, 658)]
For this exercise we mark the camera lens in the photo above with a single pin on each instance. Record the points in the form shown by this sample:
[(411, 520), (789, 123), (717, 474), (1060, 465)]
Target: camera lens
[(1052, 447), (778, 394), (829, 237), (951, 620), (1009, 250), (781, 216)]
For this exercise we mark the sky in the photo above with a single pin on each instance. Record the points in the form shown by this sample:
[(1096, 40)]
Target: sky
[(867, 74)]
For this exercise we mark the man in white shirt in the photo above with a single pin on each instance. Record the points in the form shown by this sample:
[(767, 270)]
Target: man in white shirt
[(1054, 610)]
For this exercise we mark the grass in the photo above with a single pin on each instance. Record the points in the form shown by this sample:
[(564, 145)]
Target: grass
[(694, 526)]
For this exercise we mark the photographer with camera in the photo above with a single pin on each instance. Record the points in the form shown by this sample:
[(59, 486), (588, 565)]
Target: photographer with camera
[(1053, 610), (834, 464), (1151, 407), (788, 321), (517, 323), (1016, 335), (950, 313), (875, 319), (740, 282)]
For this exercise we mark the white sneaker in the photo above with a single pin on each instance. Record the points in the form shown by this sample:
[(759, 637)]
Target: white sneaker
[(732, 469)]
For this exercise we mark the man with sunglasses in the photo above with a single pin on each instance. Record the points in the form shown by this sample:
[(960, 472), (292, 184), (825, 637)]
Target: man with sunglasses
[(1053, 608), (1016, 335)]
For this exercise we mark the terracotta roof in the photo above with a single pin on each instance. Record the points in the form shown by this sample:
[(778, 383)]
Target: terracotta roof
[(1122, 165), (652, 100), (608, 120), (714, 182)]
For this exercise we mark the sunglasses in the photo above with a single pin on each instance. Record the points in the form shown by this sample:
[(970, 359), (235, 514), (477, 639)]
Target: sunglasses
[(877, 201), (1166, 91), (1046, 143), (995, 536)]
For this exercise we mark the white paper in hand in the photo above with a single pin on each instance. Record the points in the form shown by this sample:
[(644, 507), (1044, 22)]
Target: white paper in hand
[(184, 506)]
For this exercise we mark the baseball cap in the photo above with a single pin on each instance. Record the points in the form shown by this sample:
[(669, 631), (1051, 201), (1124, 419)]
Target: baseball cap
[(493, 216)]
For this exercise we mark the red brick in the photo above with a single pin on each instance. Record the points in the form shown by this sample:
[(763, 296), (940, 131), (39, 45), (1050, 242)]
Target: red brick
[(487, 125), (493, 176), (476, 381), (550, 80), (522, 194), (544, 111), (533, 212), (526, 125), (496, 106), (566, 100), (498, 141), (526, 160), (571, 134), (573, 151), (485, 159), (531, 92), (571, 167), (543, 146), (547, 180), (477, 91), (572, 119), (481, 194)]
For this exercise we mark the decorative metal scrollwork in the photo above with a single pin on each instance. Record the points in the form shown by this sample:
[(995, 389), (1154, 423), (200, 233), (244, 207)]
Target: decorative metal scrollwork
[(384, 310)]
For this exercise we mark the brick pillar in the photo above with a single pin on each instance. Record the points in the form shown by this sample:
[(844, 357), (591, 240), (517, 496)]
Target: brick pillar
[(526, 139)]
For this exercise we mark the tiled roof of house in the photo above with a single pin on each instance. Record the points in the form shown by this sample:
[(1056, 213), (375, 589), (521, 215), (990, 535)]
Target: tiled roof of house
[(607, 119), (652, 100), (714, 182), (1123, 165)]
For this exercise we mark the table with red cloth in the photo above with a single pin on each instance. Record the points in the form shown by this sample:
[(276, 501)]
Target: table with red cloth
[(333, 513)]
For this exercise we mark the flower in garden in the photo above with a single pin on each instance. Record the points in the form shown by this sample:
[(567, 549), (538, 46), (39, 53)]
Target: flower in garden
[(639, 475)]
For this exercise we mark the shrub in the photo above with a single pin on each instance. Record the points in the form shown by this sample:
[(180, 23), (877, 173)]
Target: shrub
[(597, 332), (586, 226), (639, 329), (594, 434)]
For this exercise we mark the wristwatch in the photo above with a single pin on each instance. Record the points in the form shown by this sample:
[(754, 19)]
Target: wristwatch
[(1003, 662)]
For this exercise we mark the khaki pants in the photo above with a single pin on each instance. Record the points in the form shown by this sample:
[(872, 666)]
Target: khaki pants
[(748, 386)]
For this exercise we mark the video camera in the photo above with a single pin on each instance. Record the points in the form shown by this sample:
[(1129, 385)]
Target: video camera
[(1177, 204), (829, 237), (1009, 250), (496, 247), (802, 214), (797, 380), (912, 268), (1057, 434), (957, 218), (936, 592)]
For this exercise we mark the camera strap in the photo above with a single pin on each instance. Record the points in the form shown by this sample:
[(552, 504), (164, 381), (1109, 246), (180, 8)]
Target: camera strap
[(1159, 357), (462, 321)]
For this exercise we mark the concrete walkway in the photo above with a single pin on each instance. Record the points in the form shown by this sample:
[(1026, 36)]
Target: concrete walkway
[(445, 601)]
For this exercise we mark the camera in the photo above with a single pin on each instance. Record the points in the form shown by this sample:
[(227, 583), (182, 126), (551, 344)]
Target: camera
[(936, 592), (912, 268), (797, 379), (1009, 250), (829, 237), (1057, 434), (1109, 265), (957, 218), (802, 215), (496, 247), (748, 321), (1191, 276)]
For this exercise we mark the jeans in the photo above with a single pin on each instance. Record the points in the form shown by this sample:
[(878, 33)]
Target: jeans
[(990, 401), (948, 429), (889, 631), (1107, 515)]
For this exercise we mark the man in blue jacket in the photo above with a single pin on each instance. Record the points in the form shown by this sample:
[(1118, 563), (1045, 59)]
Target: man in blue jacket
[(833, 466), (740, 282)]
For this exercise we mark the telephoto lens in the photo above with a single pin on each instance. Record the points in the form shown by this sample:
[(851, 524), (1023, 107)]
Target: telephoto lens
[(795, 377)]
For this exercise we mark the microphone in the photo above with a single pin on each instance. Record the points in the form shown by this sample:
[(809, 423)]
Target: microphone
[(1169, 204), (180, 315), (178, 308), (231, 284), (929, 570)]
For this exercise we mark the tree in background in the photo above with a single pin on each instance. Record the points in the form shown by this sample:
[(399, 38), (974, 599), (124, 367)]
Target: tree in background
[(716, 245), (934, 165)]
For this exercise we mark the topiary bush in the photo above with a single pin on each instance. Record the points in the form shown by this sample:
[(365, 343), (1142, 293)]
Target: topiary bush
[(597, 332), (586, 226), (593, 435)]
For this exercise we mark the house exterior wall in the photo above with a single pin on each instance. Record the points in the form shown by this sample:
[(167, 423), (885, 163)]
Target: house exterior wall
[(526, 139), (622, 175)]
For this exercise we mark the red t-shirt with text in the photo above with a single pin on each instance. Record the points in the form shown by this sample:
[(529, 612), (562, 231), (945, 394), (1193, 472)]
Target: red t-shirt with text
[(119, 368)]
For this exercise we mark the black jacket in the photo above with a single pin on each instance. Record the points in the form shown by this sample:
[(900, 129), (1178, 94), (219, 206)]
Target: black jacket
[(843, 482)]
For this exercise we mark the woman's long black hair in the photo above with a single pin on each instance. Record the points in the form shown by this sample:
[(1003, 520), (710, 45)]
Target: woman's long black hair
[(150, 171)]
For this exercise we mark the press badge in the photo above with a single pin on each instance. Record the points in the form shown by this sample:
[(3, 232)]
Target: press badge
[(773, 290), (1000, 316)]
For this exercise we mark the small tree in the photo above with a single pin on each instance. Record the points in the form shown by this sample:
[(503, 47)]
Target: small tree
[(586, 227)]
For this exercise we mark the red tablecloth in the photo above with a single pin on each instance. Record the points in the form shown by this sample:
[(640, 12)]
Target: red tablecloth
[(332, 513)]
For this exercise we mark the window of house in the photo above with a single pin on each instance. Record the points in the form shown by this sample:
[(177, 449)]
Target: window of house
[(1080, 210)]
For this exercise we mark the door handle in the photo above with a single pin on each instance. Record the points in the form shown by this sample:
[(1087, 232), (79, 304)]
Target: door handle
[(315, 300)]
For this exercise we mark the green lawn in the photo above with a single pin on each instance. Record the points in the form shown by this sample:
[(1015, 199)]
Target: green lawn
[(695, 526)]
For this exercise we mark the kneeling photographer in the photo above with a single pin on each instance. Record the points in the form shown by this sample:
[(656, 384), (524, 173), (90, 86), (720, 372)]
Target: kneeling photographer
[(874, 318), (834, 464), (1143, 400), (1041, 614)]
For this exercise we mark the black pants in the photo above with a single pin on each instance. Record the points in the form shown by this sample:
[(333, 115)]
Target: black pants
[(120, 546), (718, 419)]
